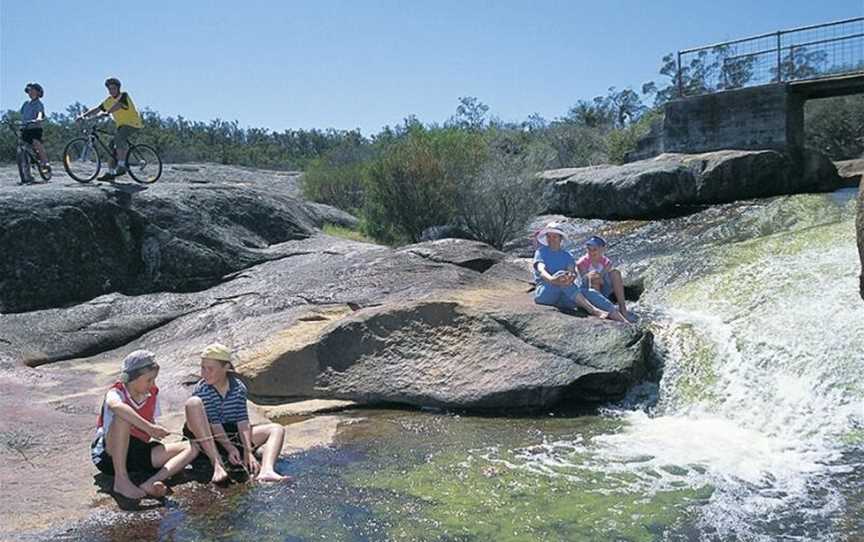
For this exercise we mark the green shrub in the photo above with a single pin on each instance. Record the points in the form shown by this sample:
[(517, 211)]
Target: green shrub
[(337, 185), (415, 182), (346, 233), (496, 204), (835, 126), (621, 141)]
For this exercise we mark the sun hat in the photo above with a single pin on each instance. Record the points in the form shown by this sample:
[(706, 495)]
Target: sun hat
[(137, 363), (218, 352), (552, 227), (596, 241)]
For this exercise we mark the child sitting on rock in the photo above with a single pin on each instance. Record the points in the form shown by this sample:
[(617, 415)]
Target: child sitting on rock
[(600, 279), (217, 419), (555, 277), (126, 429)]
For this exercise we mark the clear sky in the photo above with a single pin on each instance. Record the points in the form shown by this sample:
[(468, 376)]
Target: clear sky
[(364, 63)]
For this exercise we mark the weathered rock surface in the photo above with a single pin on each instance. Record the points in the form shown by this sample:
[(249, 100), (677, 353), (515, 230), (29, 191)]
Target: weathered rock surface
[(69, 244), (356, 321), (457, 353), (92, 272), (637, 245), (860, 227), (669, 183), (850, 171), (244, 265)]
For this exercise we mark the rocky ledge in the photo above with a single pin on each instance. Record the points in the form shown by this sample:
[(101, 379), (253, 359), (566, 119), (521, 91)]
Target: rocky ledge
[(448, 323), (673, 183)]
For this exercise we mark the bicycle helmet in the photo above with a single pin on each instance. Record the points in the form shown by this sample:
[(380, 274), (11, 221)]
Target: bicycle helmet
[(112, 81), (35, 86)]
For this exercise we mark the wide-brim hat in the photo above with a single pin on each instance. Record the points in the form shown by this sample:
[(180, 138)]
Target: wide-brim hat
[(552, 227)]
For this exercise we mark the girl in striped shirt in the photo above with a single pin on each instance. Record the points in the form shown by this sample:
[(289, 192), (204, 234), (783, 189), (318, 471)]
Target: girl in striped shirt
[(217, 420)]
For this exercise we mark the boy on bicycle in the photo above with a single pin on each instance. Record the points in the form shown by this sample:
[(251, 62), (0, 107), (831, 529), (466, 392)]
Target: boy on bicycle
[(32, 116), (120, 106)]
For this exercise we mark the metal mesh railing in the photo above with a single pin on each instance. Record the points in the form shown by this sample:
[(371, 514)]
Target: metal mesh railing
[(808, 52)]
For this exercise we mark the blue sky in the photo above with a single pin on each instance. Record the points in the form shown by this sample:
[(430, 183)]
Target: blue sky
[(364, 63)]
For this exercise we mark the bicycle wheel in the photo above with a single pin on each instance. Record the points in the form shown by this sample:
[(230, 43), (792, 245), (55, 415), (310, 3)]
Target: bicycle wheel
[(81, 161), (143, 164), (22, 159), (45, 172)]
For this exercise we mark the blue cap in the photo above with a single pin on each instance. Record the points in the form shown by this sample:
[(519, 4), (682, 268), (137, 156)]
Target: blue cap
[(596, 241)]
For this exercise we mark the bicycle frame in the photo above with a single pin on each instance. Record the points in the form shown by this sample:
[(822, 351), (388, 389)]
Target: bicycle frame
[(92, 135), (22, 146)]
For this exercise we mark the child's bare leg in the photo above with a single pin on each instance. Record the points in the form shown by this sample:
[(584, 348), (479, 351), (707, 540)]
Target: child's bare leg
[(270, 437), (618, 288), (117, 445), (592, 310), (40, 152), (196, 419), (171, 458)]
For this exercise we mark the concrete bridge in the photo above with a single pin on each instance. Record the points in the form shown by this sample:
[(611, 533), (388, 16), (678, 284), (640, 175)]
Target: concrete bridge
[(750, 93)]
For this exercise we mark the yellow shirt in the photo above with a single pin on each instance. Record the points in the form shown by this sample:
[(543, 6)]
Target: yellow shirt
[(127, 115)]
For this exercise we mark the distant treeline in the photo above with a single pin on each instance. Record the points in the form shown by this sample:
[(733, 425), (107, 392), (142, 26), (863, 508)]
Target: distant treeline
[(473, 173), (182, 140)]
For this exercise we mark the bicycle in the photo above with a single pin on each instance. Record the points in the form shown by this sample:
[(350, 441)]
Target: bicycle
[(25, 157), (82, 158)]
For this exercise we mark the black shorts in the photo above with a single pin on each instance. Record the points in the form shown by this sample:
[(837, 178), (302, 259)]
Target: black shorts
[(138, 459), (233, 435), (29, 135)]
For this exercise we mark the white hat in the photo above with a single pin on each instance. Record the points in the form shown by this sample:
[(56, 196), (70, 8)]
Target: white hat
[(552, 227)]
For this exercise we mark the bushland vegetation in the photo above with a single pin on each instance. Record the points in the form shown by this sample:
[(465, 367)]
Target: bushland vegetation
[(473, 173)]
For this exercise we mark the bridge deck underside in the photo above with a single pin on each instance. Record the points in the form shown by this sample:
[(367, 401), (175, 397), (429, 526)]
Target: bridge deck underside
[(829, 87)]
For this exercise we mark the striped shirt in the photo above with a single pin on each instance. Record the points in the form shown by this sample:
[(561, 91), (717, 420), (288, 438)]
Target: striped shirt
[(228, 409)]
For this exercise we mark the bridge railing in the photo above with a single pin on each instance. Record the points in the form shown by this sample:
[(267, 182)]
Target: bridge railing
[(796, 54)]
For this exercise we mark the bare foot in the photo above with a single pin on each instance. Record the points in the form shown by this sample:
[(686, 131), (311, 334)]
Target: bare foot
[(272, 476), (601, 315), (219, 474), (618, 317), (127, 489), (155, 489)]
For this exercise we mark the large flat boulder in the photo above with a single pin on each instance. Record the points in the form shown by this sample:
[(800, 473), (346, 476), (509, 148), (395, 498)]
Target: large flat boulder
[(454, 353), (671, 183), (69, 243)]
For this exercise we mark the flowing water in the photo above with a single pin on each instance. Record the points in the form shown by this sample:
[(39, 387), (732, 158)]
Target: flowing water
[(754, 431)]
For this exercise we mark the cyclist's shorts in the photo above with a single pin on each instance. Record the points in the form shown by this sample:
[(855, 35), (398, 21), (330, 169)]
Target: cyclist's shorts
[(29, 135), (121, 139)]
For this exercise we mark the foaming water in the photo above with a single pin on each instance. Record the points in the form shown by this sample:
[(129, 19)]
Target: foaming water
[(760, 395)]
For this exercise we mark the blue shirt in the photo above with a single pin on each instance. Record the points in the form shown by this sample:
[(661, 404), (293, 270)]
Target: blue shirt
[(554, 260), (228, 409), (30, 111)]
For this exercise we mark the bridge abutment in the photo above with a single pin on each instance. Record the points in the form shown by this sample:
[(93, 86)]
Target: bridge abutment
[(765, 117), (753, 118)]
